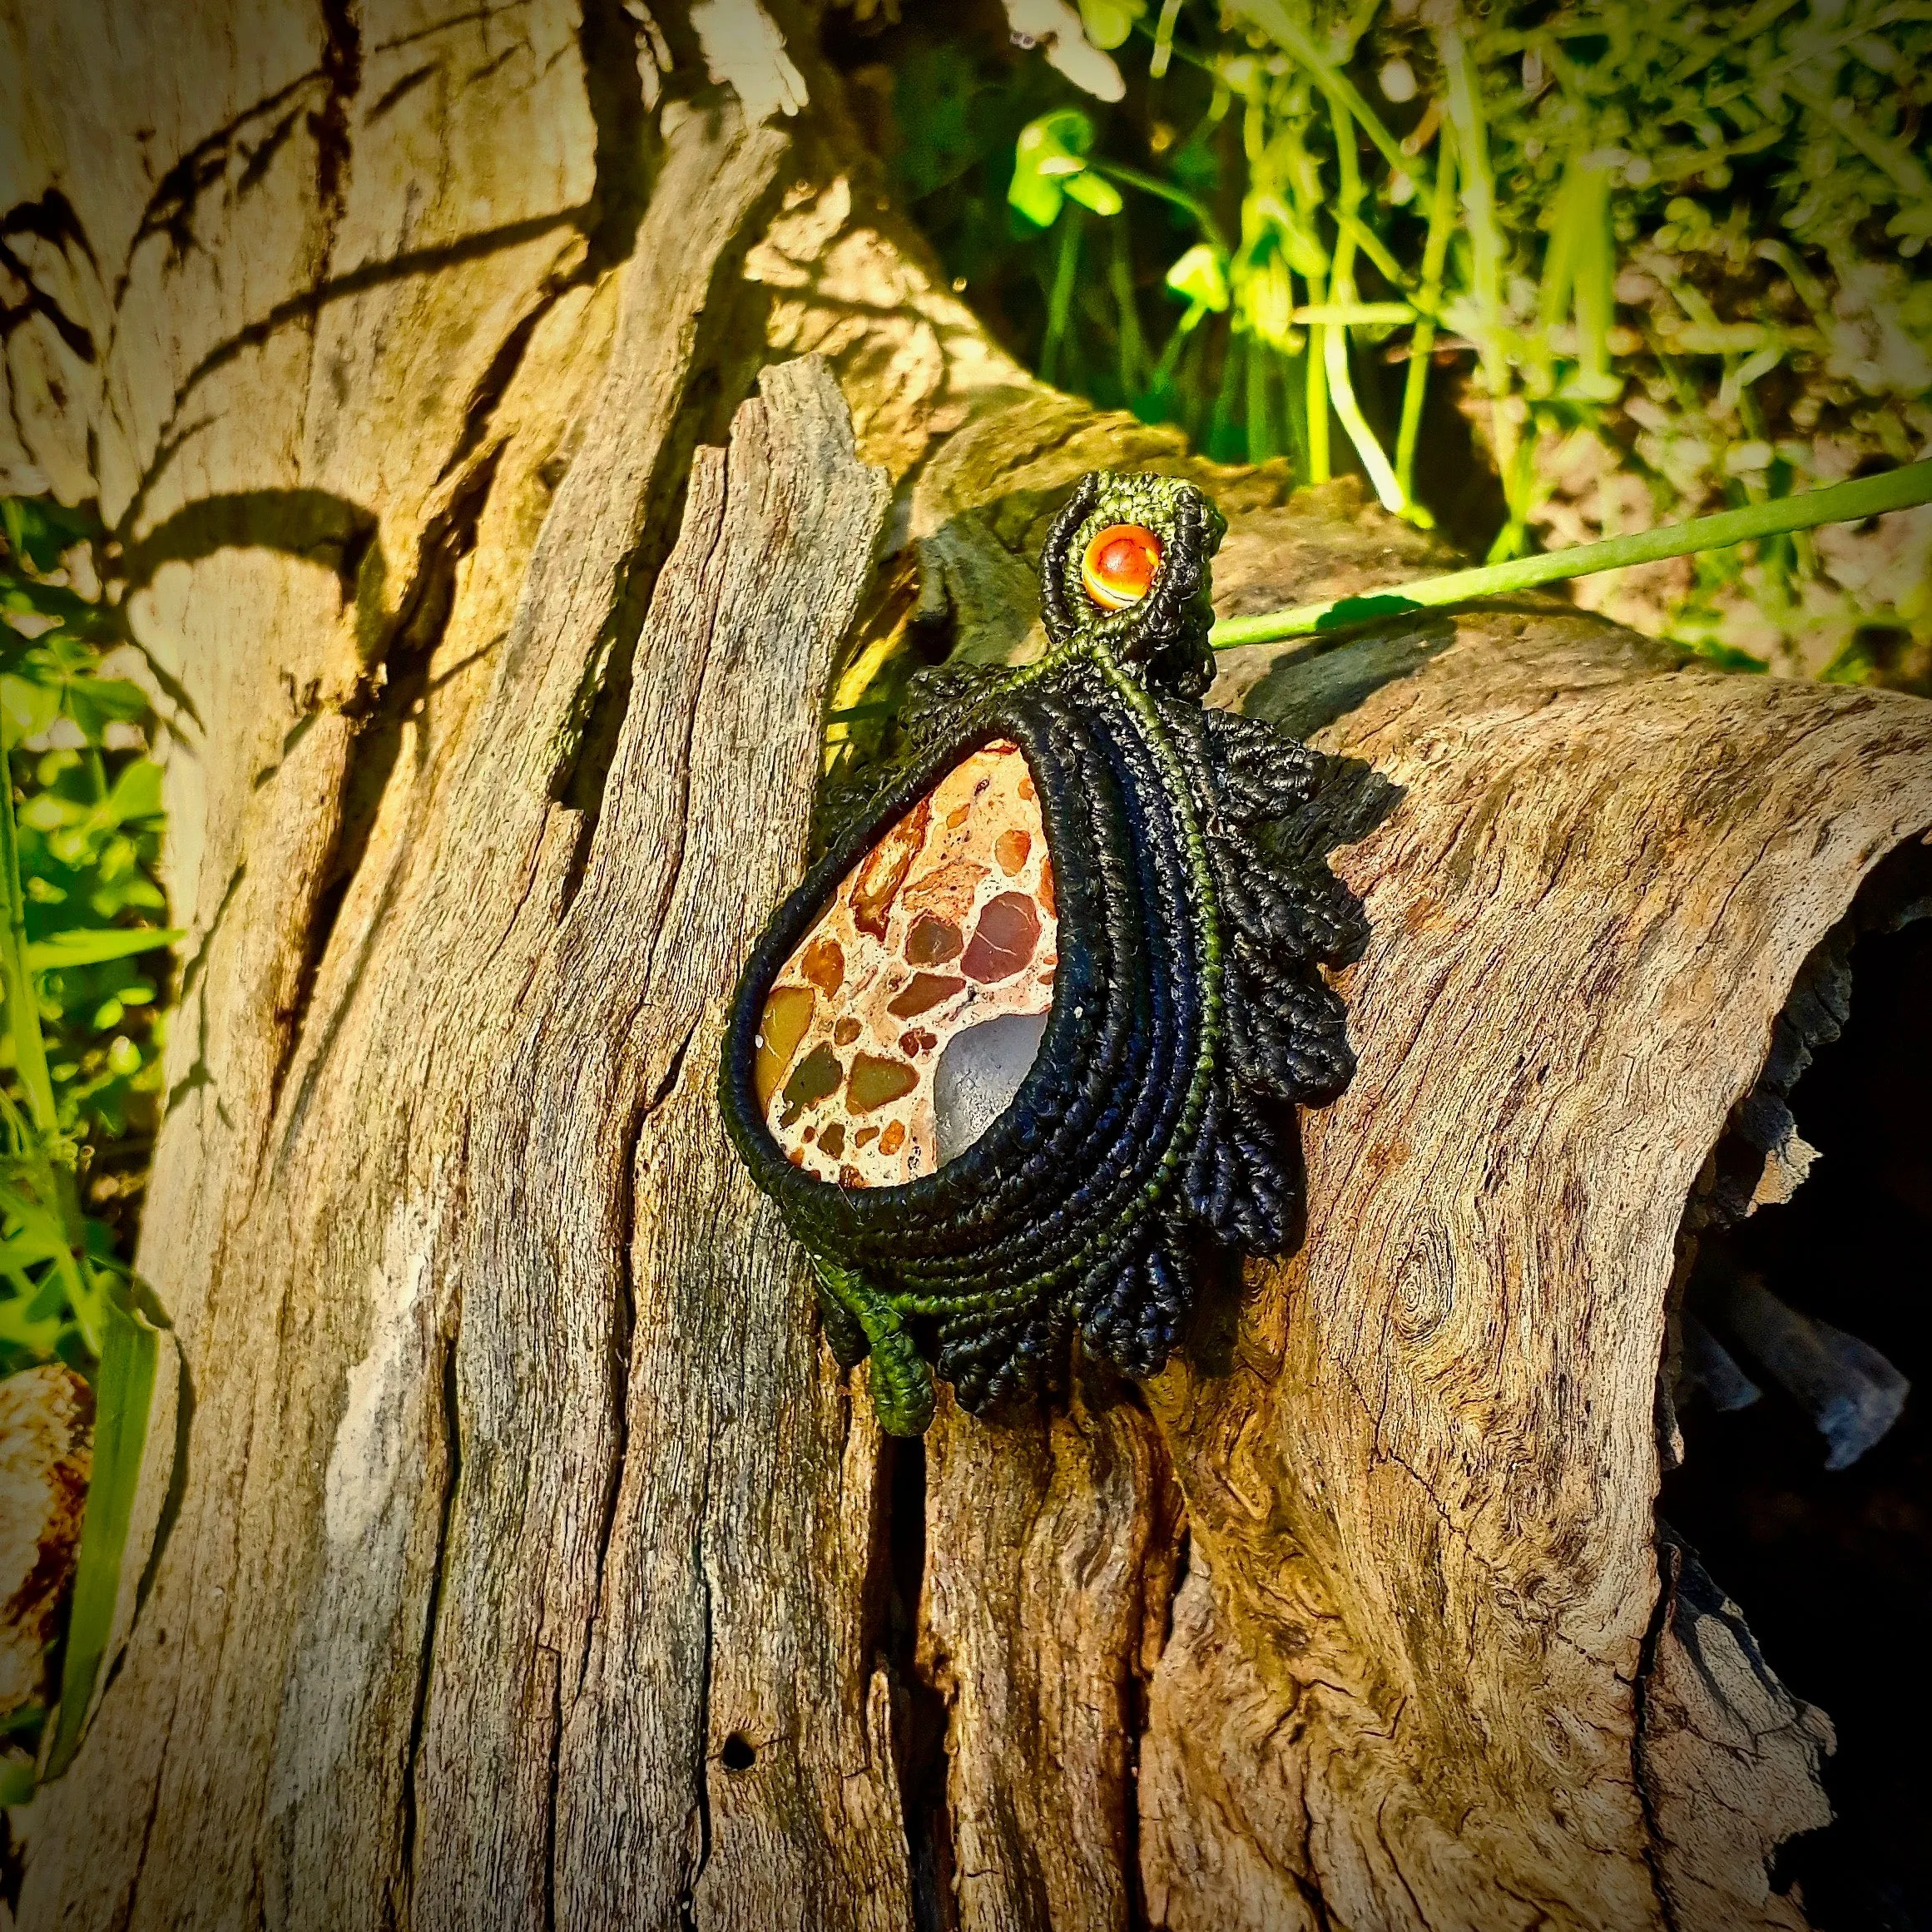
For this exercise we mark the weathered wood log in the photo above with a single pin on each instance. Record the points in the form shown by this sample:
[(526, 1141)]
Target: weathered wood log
[(524, 1560), (1603, 874)]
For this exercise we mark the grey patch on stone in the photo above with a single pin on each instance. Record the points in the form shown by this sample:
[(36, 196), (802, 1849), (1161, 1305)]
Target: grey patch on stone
[(979, 1072)]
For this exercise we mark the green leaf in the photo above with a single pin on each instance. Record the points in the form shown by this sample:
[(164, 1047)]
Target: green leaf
[(25, 1325), (56, 673), (47, 811), (1349, 612), (91, 945), (29, 597), (1729, 657), (133, 893), (1094, 192), (1264, 212), (27, 707), (36, 1236), (1049, 153), (1108, 22), (136, 793), (94, 703), (22, 1723), (123, 1399), (38, 529), (1200, 277)]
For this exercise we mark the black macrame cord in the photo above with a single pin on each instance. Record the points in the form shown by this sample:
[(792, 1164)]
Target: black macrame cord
[(1155, 1125)]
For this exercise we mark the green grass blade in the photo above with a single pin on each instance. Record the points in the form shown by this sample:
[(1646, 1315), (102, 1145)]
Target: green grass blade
[(123, 1400), (1260, 427), (1337, 310), (1422, 343), (22, 1006), (95, 945), (1164, 39), (1341, 388), (1489, 251), (1353, 315), (1845, 503), (1189, 205), (1060, 300)]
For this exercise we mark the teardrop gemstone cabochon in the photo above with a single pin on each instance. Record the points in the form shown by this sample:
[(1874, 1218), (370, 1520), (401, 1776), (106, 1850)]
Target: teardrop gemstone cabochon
[(904, 1012), (1019, 1058)]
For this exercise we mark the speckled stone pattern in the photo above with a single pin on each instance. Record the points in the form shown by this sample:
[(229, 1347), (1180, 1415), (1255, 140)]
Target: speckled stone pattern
[(947, 922)]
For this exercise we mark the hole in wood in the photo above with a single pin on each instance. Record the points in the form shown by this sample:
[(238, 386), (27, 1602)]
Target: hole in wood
[(1804, 1381), (737, 1756)]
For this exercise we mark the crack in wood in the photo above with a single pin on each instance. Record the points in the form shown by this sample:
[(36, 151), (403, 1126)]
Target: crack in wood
[(724, 358), (1670, 1558), (698, 1851), (623, 1328), (392, 693), (922, 1734), (419, 1708)]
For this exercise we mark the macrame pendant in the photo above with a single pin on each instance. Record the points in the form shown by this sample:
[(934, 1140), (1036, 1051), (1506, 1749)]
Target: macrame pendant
[(1019, 1057)]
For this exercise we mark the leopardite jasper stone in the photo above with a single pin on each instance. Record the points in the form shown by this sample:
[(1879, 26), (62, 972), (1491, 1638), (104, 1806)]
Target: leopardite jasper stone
[(1018, 1060), (946, 924)]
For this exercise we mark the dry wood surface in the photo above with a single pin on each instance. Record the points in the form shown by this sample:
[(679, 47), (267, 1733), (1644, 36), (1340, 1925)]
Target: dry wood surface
[(514, 1555)]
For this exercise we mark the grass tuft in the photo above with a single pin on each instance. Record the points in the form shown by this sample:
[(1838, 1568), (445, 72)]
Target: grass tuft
[(1542, 274), (84, 970)]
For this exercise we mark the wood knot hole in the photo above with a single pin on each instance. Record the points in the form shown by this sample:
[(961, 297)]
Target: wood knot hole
[(738, 1755)]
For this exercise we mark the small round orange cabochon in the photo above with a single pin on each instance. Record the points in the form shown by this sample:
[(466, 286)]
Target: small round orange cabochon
[(1120, 565)]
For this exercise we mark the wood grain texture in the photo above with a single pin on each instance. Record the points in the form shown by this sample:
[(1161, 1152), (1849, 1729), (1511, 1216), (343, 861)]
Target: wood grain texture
[(1726, 1757), (518, 1558), (1425, 1494), (1050, 1547), (367, 1643), (739, 1549), (1299, 1760)]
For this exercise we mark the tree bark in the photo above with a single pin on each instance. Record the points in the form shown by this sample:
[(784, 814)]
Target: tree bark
[(515, 1555)]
